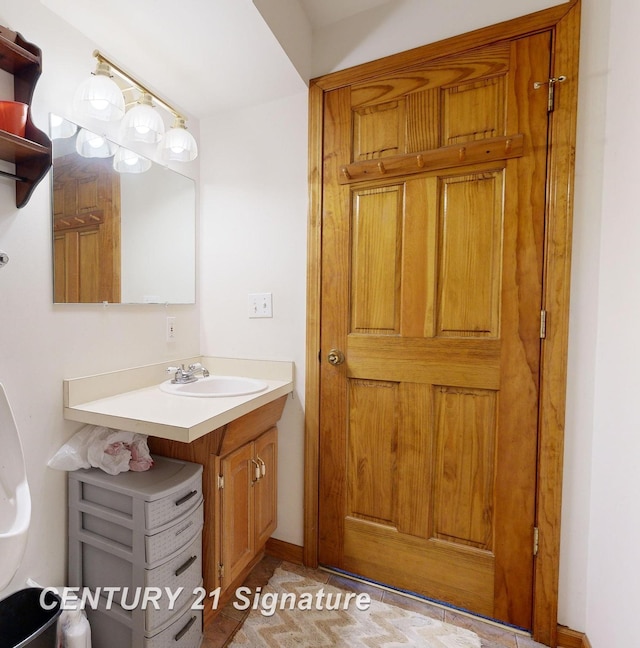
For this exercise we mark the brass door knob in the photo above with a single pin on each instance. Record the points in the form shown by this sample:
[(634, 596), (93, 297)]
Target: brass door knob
[(335, 357)]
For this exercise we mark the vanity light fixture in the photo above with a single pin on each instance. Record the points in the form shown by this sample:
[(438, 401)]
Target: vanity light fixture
[(126, 161), (92, 145), (178, 144), (99, 96), (142, 121)]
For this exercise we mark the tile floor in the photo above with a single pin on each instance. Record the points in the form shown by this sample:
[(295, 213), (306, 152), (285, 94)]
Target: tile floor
[(220, 631)]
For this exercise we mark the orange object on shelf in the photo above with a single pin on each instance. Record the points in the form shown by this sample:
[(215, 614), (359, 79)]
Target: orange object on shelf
[(13, 117)]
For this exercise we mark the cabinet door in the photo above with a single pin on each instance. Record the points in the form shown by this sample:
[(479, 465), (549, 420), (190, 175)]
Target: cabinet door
[(237, 513), (265, 490)]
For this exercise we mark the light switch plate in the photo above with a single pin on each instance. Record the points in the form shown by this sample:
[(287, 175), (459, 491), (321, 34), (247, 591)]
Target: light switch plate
[(260, 305)]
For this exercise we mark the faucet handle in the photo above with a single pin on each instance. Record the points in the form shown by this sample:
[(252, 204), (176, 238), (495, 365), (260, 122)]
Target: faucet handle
[(172, 369), (197, 366)]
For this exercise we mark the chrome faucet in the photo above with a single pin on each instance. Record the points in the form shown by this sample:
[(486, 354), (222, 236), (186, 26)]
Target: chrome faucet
[(183, 376)]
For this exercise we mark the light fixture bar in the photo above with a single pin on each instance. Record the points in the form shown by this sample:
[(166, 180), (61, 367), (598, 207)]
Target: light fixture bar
[(103, 59)]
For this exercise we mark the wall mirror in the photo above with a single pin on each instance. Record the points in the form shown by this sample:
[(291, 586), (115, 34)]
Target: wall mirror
[(119, 237)]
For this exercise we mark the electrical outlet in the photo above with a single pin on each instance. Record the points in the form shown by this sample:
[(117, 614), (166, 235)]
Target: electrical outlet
[(260, 305), (171, 329)]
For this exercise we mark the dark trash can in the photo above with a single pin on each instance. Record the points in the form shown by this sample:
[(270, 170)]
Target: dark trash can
[(25, 622)]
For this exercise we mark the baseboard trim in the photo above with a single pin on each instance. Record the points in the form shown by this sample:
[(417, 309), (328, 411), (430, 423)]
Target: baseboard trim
[(568, 638), (284, 550)]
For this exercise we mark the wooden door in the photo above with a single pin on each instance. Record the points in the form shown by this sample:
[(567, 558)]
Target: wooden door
[(86, 225), (432, 248), (266, 488)]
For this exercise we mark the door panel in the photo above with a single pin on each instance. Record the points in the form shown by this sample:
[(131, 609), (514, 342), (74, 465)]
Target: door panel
[(464, 463), (431, 286), (266, 489), (237, 513), (375, 277), (470, 219)]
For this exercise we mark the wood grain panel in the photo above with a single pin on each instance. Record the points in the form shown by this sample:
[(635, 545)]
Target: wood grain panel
[(372, 446), (414, 477), (266, 490), (420, 565), (557, 282), (522, 278), (464, 465), (376, 259), (71, 264), (419, 258), (89, 263), (336, 204), (86, 195), (423, 115), (237, 513), (438, 361), (471, 214), (451, 71), (473, 111), (250, 426), (59, 272), (379, 131)]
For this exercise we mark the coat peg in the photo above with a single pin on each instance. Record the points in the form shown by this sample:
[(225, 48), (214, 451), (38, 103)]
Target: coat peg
[(381, 168), (507, 146), (462, 154), (420, 160), (345, 173)]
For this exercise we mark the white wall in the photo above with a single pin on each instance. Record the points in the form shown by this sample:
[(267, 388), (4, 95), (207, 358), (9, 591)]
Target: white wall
[(40, 344), (401, 25), (613, 589), (253, 239)]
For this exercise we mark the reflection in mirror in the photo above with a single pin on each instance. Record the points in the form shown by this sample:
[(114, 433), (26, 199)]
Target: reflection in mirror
[(119, 237)]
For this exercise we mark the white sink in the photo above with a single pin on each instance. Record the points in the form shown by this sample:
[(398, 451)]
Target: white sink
[(215, 387)]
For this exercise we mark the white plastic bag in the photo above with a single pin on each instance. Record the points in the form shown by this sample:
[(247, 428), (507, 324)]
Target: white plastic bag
[(113, 451), (109, 450)]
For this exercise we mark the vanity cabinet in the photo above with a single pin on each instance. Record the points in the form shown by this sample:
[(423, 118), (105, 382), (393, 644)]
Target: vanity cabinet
[(134, 534), (240, 492), (30, 154), (248, 504)]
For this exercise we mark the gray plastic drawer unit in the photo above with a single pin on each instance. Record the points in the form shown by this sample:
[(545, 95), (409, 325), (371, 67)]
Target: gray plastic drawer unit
[(135, 532)]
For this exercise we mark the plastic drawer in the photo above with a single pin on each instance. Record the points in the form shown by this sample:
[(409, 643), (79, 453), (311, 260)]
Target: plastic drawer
[(110, 630), (163, 544), (184, 570), (162, 511), (144, 501), (186, 632)]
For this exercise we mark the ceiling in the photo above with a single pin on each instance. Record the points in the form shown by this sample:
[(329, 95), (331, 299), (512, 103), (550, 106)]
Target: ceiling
[(203, 56), (327, 12)]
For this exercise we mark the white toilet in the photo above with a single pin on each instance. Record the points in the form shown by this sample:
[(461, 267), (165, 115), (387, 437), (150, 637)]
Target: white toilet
[(15, 499)]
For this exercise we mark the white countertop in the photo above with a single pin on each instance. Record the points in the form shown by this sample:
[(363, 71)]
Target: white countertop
[(132, 400)]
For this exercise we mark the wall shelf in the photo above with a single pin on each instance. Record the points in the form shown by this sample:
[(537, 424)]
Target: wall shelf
[(30, 154)]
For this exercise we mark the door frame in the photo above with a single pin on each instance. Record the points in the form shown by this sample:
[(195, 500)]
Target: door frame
[(564, 23)]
